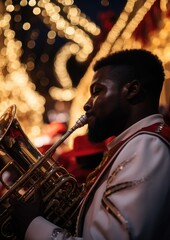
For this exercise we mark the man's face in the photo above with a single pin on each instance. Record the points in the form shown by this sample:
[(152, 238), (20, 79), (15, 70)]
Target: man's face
[(106, 108)]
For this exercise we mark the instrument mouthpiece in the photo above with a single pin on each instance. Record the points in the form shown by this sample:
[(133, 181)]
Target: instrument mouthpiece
[(81, 122)]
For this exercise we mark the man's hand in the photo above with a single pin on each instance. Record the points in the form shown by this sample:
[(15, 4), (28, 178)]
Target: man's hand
[(23, 213)]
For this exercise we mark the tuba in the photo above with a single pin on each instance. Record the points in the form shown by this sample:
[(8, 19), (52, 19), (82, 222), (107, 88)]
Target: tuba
[(23, 169)]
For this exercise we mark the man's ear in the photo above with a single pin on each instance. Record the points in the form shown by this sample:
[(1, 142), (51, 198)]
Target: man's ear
[(133, 89)]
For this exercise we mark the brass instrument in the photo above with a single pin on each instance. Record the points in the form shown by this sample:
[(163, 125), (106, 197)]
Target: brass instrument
[(23, 168)]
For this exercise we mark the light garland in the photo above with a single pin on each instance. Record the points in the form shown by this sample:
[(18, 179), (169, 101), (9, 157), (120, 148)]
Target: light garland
[(159, 44), (15, 85), (131, 25), (67, 21)]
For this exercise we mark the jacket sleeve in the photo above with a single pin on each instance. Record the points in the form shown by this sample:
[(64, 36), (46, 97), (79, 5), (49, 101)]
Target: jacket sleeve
[(41, 229)]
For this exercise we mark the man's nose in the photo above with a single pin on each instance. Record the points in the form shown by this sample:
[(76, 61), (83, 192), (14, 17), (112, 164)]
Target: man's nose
[(87, 105)]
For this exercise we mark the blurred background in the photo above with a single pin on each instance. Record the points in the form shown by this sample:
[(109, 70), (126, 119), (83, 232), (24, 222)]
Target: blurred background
[(48, 47)]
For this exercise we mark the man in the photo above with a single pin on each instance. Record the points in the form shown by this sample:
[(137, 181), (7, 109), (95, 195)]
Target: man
[(128, 195)]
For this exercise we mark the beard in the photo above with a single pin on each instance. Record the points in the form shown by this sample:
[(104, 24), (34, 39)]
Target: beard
[(100, 130), (95, 136), (110, 125)]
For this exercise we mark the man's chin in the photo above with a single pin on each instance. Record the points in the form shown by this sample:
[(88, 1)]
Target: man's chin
[(96, 137)]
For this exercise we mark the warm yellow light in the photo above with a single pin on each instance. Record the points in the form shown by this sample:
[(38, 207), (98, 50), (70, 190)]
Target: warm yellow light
[(30, 65), (32, 3), (10, 8), (15, 85), (74, 48), (70, 30), (36, 11), (31, 44), (62, 94), (51, 34), (17, 18), (44, 58), (26, 26), (60, 24), (23, 3)]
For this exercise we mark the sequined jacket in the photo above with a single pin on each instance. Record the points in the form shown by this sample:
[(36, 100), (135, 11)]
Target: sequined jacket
[(130, 198)]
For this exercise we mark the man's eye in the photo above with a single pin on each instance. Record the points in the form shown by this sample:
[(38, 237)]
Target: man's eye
[(96, 91)]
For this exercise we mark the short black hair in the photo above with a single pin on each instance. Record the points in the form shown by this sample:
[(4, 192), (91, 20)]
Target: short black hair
[(142, 65)]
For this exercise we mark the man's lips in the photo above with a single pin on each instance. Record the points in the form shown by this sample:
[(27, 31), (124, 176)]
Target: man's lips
[(90, 120)]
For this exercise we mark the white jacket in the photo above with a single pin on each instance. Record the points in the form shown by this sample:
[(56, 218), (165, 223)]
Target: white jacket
[(117, 210)]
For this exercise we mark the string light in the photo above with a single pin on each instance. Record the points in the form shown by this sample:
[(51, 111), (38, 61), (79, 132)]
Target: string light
[(120, 43), (65, 20), (15, 85), (159, 44)]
